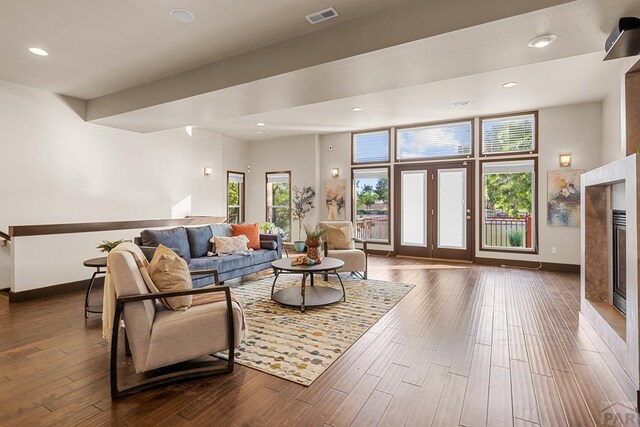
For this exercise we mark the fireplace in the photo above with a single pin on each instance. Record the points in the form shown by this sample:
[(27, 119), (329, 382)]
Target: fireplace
[(619, 281)]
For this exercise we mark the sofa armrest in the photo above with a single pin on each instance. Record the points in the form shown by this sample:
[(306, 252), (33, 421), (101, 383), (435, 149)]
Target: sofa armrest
[(273, 238)]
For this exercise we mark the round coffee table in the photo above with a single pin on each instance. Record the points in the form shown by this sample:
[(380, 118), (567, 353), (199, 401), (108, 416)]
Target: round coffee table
[(313, 296)]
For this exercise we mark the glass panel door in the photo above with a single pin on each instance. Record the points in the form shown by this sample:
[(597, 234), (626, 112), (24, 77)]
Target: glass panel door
[(414, 208), (452, 205)]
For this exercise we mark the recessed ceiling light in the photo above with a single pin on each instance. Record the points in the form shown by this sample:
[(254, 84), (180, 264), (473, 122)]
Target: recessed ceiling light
[(38, 51), (356, 109), (460, 104), (182, 15), (508, 85), (261, 124), (262, 132), (542, 41)]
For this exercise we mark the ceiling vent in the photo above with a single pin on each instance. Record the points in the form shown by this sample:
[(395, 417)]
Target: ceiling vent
[(323, 15), (624, 39)]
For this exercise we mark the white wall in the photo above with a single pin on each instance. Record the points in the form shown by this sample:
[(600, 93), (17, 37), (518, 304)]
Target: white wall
[(296, 154), (575, 128), (58, 169)]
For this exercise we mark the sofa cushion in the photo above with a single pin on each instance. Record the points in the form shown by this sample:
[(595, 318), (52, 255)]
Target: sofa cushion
[(268, 244), (252, 231), (198, 238), (171, 273), (174, 238), (233, 262)]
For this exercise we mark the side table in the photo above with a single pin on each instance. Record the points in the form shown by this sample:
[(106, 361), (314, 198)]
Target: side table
[(99, 264)]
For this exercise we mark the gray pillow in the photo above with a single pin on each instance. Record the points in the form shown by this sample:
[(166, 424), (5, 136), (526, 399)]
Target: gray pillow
[(173, 238), (199, 240), (220, 230)]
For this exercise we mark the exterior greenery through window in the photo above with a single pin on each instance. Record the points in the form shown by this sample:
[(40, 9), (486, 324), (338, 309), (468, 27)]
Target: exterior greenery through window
[(235, 197), (508, 202), (513, 134), (371, 203), (370, 147), (278, 195)]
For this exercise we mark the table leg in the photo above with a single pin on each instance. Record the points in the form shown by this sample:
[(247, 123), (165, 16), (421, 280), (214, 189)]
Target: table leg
[(344, 293), (302, 290), (86, 297), (277, 273), (311, 274)]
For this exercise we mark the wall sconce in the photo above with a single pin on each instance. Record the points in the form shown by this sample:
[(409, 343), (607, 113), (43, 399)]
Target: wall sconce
[(335, 172), (565, 160), (207, 171)]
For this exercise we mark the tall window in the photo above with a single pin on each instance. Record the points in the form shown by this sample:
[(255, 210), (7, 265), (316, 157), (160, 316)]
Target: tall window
[(371, 203), (509, 134), (235, 197), (509, 205), (370, 147), (279, 201), (435, 141)]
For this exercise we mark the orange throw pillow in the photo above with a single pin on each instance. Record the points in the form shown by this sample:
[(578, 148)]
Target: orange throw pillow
[(252, 231)]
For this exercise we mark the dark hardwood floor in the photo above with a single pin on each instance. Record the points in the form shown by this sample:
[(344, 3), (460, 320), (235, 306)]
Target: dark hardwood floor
[(468, 346)]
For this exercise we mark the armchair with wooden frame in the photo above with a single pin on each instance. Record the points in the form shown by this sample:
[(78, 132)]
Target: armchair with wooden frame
[(340, 242), (157, 338)]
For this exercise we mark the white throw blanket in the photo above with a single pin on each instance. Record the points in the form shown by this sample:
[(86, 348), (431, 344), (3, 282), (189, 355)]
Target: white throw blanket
[(109, 298)]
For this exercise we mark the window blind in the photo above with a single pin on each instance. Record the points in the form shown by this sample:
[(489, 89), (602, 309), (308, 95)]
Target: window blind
[(371, 147), (508, 134), (236, 177), (516, 166), (446, 140), (280, 178), (371, 173)]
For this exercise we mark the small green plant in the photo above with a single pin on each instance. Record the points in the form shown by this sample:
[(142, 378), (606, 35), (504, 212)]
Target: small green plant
[(315, 233), (106, 245), (515, 238), (267, 227)]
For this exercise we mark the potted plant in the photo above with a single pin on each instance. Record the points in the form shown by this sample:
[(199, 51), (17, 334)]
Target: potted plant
[(301, 205), (106, 245), (267, 227), (314, 243)]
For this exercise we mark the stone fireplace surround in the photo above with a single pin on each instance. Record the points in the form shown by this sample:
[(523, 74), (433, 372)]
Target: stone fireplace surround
[(615, 336)]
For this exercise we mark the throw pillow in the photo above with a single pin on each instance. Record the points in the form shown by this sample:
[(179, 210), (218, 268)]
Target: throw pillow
[(170, 273), (230, 245), (338, 236), (199, 238), (252, 231)]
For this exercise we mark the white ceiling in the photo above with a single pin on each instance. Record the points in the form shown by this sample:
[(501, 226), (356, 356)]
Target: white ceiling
[(98, 47)]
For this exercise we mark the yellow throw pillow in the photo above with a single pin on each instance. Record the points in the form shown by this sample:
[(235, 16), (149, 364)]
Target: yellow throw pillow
[(337, 237), (171, 273)]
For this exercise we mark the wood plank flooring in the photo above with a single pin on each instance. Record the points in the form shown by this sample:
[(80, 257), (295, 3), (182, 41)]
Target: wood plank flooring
[(469, 346)]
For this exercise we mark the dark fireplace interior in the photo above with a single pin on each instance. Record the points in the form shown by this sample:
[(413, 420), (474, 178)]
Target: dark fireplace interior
[(619, 260)]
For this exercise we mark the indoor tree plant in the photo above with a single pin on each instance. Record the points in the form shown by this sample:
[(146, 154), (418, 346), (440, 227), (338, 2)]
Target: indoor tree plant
[(302, 204)]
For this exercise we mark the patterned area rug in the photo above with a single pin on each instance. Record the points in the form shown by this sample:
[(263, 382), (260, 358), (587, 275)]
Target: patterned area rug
[(299, 346)]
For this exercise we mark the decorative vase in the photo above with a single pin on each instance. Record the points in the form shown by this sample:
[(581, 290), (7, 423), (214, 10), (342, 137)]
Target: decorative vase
[(298, 246), (314, 249)]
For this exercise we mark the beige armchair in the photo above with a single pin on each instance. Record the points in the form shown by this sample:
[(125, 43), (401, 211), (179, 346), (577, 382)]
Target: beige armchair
[(157, 338), (339, 242)]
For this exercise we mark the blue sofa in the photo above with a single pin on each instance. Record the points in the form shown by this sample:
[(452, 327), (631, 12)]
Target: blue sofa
[(193, 244)]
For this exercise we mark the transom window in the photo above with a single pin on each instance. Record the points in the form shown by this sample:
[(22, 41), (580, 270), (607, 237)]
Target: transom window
[(435, 141), (370, 147), (509, 134)]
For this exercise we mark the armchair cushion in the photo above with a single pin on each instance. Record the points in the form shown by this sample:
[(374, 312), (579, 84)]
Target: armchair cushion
[(169, 273), (354, 259), (171, 238), (339, 234)]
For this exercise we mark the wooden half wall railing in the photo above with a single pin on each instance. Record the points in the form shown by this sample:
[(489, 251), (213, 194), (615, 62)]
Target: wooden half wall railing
[(5, 238), (88, 227)]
